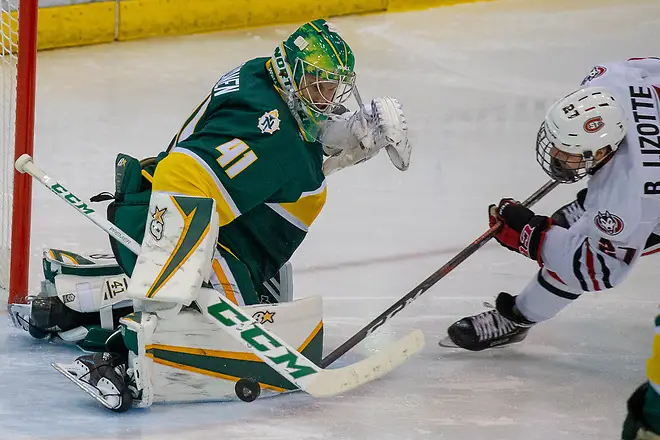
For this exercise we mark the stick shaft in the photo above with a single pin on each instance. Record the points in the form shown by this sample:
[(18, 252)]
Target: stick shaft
[(429, 282), (26, 165)]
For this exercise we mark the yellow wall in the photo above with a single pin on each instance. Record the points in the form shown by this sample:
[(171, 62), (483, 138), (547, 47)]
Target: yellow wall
[(76, 25), (100, 22)]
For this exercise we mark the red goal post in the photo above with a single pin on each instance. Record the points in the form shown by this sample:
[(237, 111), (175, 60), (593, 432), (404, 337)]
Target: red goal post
[(18, 30)]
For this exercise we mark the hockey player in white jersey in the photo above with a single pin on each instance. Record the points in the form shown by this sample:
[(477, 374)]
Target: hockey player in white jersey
[(609, 130)]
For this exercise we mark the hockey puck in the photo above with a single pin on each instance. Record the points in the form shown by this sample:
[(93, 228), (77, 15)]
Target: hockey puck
[(247, 390)]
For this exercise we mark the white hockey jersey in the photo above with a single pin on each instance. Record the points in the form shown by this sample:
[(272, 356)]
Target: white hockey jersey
[(623, 199)]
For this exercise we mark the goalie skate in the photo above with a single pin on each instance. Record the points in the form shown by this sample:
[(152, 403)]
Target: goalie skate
[(98, 376)]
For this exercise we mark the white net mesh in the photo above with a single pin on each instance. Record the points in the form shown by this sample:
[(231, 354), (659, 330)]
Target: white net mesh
[(8, 59)]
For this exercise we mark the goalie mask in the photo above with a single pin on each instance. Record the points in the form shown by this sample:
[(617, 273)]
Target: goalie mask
[(579, 134), (313, 69)]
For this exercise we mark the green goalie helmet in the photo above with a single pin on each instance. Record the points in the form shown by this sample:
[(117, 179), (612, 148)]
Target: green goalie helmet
[(314, 71)]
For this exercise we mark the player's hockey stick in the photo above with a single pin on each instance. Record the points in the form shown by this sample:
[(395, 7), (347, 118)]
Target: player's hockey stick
[(279, 355), (429, 282)]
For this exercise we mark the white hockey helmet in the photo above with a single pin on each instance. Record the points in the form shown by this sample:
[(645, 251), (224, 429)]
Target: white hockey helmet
[(573, 131)]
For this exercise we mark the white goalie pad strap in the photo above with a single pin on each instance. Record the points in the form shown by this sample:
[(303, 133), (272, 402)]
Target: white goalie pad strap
[(140, 328), (74, 335), (164, 310), (106, 318), (175, 256), (87, 294)]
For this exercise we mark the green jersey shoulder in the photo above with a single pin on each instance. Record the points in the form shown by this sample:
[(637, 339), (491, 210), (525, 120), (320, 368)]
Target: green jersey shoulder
[(244, 129), (245, 136)]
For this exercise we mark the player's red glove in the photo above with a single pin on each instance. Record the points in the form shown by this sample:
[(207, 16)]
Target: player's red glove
[(522, 230)]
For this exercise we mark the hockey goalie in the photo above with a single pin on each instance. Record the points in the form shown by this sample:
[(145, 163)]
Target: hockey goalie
[(220, 212)]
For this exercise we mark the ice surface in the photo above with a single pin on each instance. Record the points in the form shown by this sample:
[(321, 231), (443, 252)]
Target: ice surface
[(475, 81)]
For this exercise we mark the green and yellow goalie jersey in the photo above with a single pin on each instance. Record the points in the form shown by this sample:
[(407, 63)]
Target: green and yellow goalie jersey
[(243, 148)]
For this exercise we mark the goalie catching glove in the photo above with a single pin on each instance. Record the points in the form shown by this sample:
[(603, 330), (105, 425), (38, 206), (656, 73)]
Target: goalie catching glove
[(380, 125), (522, 231)]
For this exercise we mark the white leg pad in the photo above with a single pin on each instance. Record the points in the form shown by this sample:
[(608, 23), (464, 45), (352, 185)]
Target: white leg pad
[(175, 256), (188, 358)]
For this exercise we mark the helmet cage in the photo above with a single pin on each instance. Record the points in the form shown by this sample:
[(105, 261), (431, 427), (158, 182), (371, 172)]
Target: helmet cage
[(566, 167), (313, 70), (579, 134), (322, 91)]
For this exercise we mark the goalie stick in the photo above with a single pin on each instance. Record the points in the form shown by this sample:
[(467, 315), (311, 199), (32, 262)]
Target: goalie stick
[(429, 282), (279, 355)]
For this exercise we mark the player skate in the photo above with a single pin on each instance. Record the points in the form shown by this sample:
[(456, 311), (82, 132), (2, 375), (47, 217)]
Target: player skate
[(502, 325)]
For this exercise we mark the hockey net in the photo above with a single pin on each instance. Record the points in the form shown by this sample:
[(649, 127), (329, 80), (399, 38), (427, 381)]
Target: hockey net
[(18, 40), (9, 60)]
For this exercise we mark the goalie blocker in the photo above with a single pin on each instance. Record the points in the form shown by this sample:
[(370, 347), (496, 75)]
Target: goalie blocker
[(170, 352)]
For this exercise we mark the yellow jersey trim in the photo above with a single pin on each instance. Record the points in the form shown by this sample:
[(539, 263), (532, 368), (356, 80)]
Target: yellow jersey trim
[(183, 172)]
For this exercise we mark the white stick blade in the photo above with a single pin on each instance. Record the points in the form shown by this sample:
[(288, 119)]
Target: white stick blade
[(331, 382)]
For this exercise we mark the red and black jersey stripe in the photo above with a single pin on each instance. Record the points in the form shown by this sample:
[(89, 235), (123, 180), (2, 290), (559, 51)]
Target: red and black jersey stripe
[(590, 268)]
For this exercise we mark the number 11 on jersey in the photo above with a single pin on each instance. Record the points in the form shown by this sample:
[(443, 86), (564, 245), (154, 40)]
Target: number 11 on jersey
[(230, 151)]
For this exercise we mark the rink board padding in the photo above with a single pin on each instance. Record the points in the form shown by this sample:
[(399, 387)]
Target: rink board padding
[(147, 18), (74, 25), (103, 22)]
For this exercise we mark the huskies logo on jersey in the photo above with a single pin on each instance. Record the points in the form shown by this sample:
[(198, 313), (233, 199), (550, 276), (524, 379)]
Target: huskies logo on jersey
[(608, 223), (269, 122), (592, 125), (595, 73)]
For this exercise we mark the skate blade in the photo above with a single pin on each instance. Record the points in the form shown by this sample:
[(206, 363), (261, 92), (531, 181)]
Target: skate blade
[(82, 385), (447, 343)]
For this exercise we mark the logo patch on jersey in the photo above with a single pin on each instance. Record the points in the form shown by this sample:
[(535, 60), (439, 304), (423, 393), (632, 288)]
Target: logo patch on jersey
[(269, 122), (595, 73), (157, 224), (592, 125), (608, 223)]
